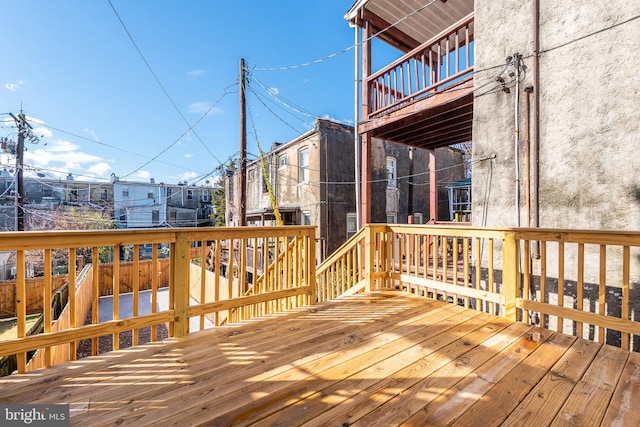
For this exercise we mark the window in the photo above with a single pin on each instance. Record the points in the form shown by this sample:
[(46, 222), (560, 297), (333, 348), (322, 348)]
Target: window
[(46, 191), (251, 175), (303, 165), (123, 216), (392, 218), (265, 187), (104, 194), (205, 195), (150, 195), (306, 218), (392, 177), (125, 192), (417, 218), (352, 224), (168, 193), (189, 194), (282, 161), (73, 195), (173, 216), (155, 217)]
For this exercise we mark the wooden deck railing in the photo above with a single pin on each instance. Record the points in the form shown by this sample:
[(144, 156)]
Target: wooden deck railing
[(194, 292), (584, 283), (443, 61)]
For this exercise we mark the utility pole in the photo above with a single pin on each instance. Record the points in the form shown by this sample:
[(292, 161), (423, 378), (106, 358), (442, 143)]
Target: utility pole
[(243, 146), (23, 127)]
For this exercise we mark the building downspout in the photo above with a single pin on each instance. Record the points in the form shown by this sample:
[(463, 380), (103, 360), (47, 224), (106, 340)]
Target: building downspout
[(516, 61), (535, 146), (356, 135)]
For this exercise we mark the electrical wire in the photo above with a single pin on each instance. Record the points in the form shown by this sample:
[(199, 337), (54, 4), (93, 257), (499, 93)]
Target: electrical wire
[(226, 92), (347, 49), (161, 85)]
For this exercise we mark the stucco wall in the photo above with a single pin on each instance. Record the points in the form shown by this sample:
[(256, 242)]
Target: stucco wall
[(589, 123), (589, 115)]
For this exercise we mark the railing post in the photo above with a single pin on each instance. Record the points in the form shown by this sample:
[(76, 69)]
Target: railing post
[(368, 258), (510, 274), (180, 281), (311, 265)]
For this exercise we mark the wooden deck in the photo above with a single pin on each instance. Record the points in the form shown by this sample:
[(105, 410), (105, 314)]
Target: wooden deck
[(385, 358)]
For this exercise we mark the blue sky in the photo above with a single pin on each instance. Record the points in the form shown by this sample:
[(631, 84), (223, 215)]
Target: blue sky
[(71, 66)]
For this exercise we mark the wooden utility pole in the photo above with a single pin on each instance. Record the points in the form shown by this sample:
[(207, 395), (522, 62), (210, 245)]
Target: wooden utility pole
[(243, 147), (23, 127)]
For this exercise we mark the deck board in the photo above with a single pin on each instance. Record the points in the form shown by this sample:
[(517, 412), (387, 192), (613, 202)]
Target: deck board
[(385, 358)]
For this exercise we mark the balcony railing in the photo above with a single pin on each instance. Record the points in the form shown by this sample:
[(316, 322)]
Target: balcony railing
[(436, 65), (581, 284), (215, 275)]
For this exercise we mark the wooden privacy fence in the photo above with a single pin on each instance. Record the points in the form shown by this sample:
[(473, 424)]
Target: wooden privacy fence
[(584, 283), (73, 315), (143, 271), (287, 281), (34, 294), (35, 286)]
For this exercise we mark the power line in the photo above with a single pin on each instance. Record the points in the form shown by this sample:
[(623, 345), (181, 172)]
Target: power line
[(226, 92), (160, 83), (333, 55)]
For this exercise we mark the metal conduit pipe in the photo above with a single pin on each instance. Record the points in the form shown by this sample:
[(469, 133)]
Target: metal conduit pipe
[(356, 135), (516, 62)]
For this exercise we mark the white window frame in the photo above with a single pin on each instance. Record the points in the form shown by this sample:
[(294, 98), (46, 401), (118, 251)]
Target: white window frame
[(392, 172), (352, 224), (392, 218), (305, 218), (125, 192), (303, 165), (282, 161)]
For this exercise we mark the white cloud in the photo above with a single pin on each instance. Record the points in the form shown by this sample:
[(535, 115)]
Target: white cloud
[(42, 132), (274, 91), (14, 86), (100, 168), (202, 107), (195, 73), (188, 176), (188, 156), (92, 133), (143, 175)]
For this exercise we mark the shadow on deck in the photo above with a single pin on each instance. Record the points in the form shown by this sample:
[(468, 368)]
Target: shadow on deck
[(383, 358)]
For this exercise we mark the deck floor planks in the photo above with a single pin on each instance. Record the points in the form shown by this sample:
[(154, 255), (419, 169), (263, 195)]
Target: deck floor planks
[(201, 359), (544, 401), (625, 406), (372, 359), (448, 406), (339, 390), (594, 390), (242, 336), (271, 393), (495, 406), (407, 402), (331, 338)]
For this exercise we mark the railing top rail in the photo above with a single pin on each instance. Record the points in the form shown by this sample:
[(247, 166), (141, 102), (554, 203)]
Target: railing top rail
[(85, 238), (598, 237), (435, 39), (346, 246)]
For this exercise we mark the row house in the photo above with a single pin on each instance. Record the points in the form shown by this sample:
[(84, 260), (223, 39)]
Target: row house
[(313, 181), (151, 204), (546, 94), (133, 204)]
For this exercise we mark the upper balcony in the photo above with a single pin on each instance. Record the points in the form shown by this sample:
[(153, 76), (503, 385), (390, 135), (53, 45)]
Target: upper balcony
[(411, 325), (424, 98)]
